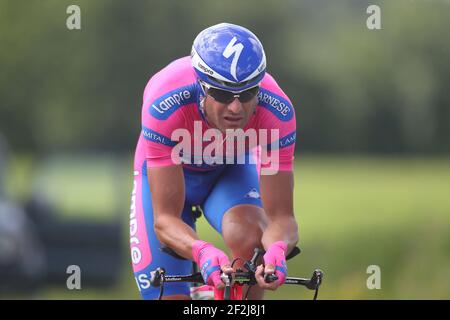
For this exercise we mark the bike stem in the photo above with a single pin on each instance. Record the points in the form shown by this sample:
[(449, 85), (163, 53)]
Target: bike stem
[(251, 265)]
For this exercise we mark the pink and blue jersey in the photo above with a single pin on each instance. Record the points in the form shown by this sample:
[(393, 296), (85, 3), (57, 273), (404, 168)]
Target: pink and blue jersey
[(172, 101)]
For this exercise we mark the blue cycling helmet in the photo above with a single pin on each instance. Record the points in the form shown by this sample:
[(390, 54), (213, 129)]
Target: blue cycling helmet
[(228, 57)]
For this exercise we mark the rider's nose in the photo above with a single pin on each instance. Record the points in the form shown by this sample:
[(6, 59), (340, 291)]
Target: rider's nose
[(235, 106)]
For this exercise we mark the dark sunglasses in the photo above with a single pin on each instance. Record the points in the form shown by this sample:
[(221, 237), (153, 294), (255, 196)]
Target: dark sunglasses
[(224, 96)]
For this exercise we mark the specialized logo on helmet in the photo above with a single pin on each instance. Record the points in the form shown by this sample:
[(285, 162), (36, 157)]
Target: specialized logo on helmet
[(229, 57), (235, 49)]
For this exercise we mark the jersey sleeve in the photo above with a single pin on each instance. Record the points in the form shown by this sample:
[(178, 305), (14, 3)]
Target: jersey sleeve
[(160, 118), (277, 116)]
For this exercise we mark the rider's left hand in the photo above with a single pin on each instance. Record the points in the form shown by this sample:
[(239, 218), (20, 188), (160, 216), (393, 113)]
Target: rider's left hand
[(275, 262)]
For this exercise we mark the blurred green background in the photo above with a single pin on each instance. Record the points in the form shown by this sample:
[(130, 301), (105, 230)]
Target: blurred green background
[(373, 111)]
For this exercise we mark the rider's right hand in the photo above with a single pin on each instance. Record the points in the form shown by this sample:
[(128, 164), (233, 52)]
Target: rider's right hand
[(211, 261)]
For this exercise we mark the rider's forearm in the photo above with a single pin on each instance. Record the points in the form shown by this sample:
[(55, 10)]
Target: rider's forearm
[(176, 234), (281, 229)]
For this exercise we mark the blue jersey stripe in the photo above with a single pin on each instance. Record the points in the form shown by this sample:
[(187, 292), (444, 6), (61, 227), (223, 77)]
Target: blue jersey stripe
[(154, 136), (284, 142), (279, 106), (164, 106)]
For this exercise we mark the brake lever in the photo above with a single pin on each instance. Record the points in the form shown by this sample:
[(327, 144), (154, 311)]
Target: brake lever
[(226, 278), (268, 278), (316, 280), (155, 278), (251, 265)]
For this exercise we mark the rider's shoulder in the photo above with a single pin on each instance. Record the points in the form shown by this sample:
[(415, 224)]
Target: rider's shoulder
[(176, 76), (272, 98)]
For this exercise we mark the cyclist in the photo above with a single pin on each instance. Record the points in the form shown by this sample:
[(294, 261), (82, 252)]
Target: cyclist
[(223, 86)]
